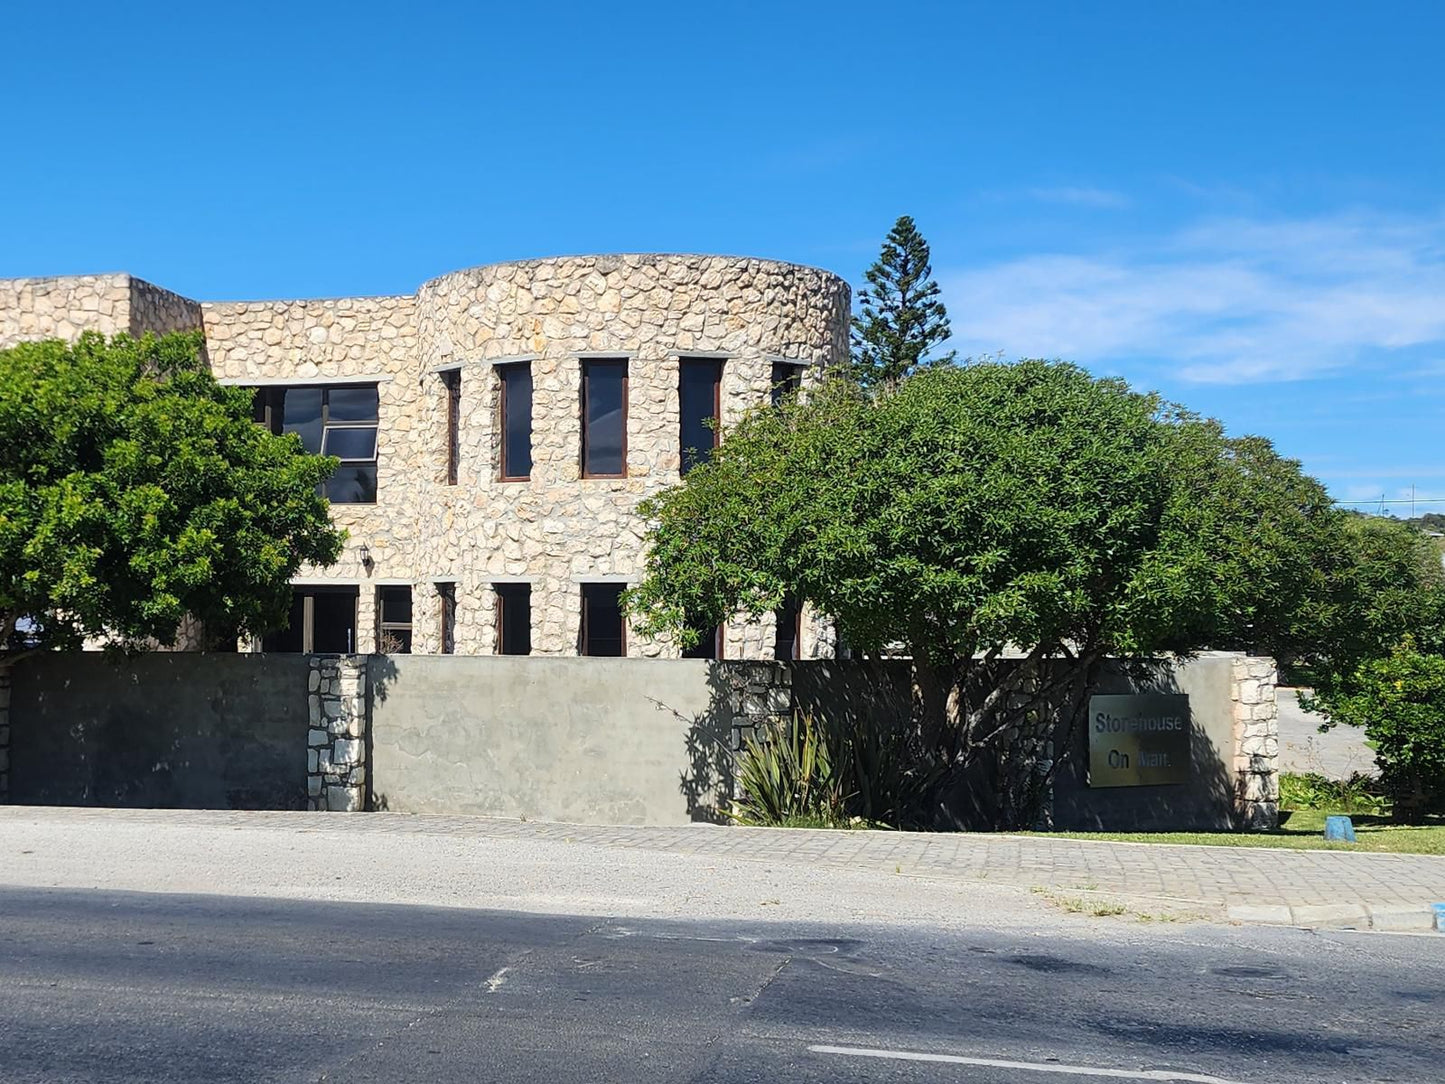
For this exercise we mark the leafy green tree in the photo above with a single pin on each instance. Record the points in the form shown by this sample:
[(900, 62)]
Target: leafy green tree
[(135, 490), (900, 316), (978, 513), (1399, 701)]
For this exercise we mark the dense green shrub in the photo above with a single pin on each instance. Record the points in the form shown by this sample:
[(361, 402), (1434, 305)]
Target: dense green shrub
[(1399, 702), (1359, 793)]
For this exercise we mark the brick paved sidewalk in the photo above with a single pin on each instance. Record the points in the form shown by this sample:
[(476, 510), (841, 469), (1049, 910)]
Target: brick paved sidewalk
[(1249, 884)]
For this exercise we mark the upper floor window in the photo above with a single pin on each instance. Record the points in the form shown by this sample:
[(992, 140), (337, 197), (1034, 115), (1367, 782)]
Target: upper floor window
[(515, 391), (452, 381), (787, 379), (337, 420), (604, 418), (699, 397)]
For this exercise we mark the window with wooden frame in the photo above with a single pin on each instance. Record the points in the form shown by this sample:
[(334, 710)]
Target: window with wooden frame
[(514, 409), (452, 381), (514, 618), (393, 620), (699, 401), (788, 632), (338, 420), (604, 418), (604, 632), (787, 380), (322, 620), (447, 613)]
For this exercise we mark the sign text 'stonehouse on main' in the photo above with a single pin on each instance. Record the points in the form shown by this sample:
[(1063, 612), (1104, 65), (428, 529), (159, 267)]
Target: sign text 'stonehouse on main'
[(1138, 741)]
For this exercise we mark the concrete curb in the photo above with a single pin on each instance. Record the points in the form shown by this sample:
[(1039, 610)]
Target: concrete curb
[(1391, 917)]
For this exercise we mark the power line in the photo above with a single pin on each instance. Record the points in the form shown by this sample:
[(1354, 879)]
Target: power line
[(1397, 500)]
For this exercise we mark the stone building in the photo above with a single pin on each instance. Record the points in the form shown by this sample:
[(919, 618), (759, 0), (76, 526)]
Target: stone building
[(497, 430)]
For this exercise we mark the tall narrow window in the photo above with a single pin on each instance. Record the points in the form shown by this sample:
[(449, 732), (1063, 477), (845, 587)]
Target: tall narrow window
[(786, 380), (452, 379), (447, 601), (788, 636), (514, 618), (339, 421), (603, 631), (393, 625), (604, 418), (709, 644), (699, 395), (516, 421)]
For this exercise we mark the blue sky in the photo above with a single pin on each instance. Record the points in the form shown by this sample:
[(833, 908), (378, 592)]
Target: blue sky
[(1239, 204)]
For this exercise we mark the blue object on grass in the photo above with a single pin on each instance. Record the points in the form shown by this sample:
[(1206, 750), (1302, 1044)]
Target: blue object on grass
[(1340, 828)]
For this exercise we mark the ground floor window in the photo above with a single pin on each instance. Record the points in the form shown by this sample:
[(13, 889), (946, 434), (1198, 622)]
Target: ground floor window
[(603, 630), (322, 621), (514, 618), (709, 644), (393, 620), (447, 598), (788, 636)]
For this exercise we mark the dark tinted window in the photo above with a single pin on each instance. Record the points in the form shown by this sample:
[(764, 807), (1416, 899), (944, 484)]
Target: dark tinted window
[(699, 383), (289, 638), (453, 382), (352, 485), (516, 421), (351, 404), (602, 628), (708, 646), (393, 620), (334, 621), (787, 635), (447, 596), (301, 414), (604, 417), (787, 379), (514, 618)]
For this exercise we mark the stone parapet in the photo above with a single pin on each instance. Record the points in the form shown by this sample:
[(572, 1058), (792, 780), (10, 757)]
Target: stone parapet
[(1256, 742), (336, 740)]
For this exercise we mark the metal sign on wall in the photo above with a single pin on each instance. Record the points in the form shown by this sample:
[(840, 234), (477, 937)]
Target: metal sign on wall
[(1138, 741)]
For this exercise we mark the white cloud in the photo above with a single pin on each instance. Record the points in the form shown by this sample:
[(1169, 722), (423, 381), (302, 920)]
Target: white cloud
[(1223, 301)]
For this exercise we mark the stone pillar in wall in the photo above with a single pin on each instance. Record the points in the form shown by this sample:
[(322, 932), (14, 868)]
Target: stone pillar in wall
[(762, 692), (1256, 742), (4, 735), (336, 755)]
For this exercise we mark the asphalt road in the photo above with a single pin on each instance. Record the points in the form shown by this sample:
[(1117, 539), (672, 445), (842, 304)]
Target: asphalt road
[(105, 986)]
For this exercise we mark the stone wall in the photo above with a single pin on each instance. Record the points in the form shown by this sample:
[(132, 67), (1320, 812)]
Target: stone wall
[(623, 741), (1256, 742), (61, 308), (336, 740)]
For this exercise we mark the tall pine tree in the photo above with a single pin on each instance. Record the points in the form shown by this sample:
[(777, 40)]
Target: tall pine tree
[(900, 317)]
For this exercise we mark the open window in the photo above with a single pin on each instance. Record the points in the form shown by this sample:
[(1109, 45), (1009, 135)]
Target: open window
[(787, 379), (339, 420), (788, 632)]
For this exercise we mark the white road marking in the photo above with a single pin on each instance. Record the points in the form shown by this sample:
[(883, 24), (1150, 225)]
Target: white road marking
[(495, 982), (1026, 1066)]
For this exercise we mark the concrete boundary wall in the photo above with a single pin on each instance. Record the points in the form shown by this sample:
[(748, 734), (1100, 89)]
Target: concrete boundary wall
[(615, 741)]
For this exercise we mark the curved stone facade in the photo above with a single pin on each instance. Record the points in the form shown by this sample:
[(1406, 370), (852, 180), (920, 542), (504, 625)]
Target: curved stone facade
[(557, 529)]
